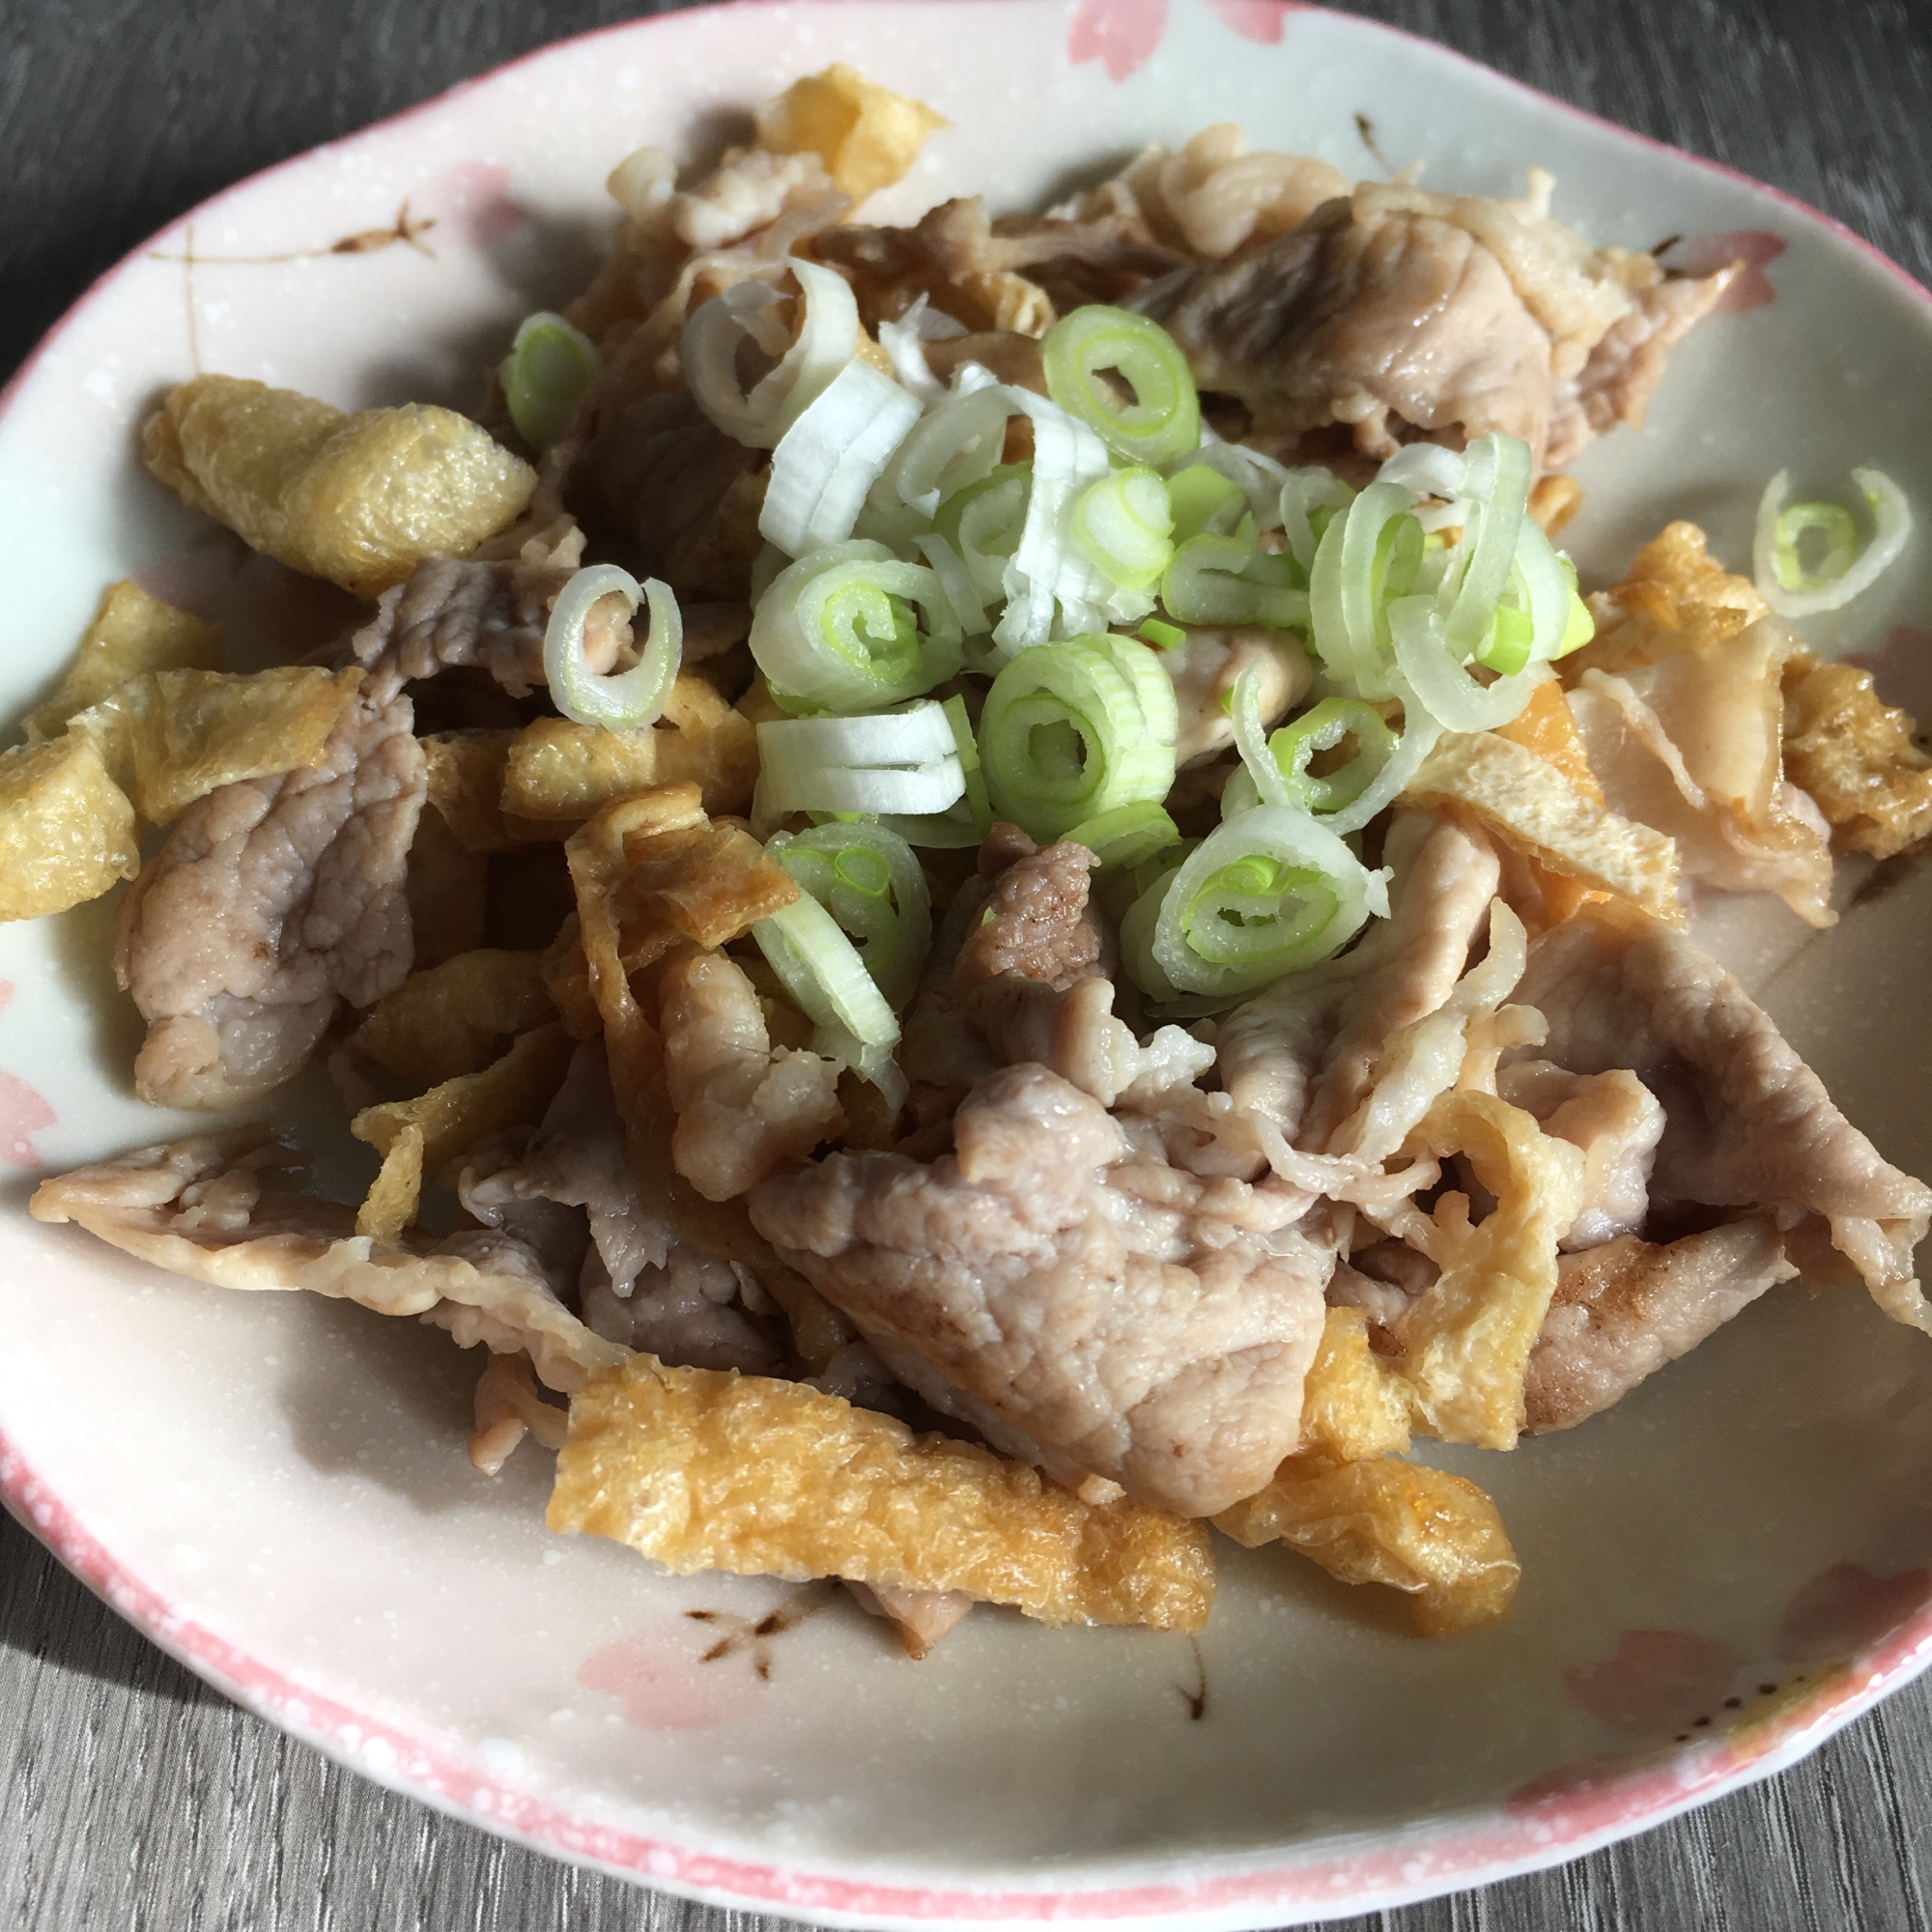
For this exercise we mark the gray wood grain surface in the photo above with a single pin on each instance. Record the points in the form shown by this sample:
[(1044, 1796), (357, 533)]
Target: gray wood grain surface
[(130, 1795)]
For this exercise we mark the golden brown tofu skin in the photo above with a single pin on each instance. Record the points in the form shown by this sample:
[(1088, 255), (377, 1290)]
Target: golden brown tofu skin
[(702, 1470), (360, 499), (67, 830)]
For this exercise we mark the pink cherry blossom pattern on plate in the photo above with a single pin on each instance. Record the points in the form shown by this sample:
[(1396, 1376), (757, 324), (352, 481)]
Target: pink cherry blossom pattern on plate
[(1847, 1610), (1262, 22), (1119, 34), (1660, 1680)]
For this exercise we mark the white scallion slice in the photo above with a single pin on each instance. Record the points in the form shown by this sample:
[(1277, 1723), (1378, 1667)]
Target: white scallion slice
[(1050, 587), (820, 968), (1308, 498), (1497, 484), (895, 761), (1162, 422), (1259, 479), (1266, 892), (1074, 729), (826, 340), (959, 441), (838, 629), (1367, 556), (1231, 580), (984, 521), (631, 699), (548, 367), (904, 343), (867, 879), (1122, 523), (828, 460), (1127, 836), (1431, 674), (1783, 580)]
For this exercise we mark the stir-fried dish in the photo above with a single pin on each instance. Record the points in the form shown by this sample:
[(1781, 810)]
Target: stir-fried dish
[(987, 886)]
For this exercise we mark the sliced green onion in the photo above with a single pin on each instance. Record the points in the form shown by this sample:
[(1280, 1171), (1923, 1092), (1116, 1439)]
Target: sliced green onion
[(1830, 520), (831, 456), (1579, 626), (957, 444), (894, 762), (1202, 500), (967, 821), (1074, 729), (983, 521), (838, 629), (1832, 584), (548, 367), (1163, 637), (1122, 523), (867, 879), (1496, 483), (1051, 588), (821, 970), (1433, 678), (1309, 500), (1321, 728), (1506, 649), (633, 698), (969, 608), (1366, 557), (1266, 892), (1231, 580), (1258, 478), (1242, 703), (1163, 422), (1128, 836), (826, 340)]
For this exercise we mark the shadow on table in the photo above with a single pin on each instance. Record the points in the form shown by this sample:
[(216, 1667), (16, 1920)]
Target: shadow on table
[(49, 1615)]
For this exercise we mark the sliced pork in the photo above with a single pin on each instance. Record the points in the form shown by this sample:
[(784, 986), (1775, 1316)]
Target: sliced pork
[(273, 900), (1624, 1308), (1111, 1307), (1746, 1123)]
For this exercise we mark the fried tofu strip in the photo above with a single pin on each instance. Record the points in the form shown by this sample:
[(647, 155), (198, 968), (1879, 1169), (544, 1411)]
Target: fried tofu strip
[(1856, 757), (67, 829), (360, 499), (705, 1470), (560, 771), (1422, 1530), (449, 1019), (131, 632), (1533, 805), (866, 135), (422, 1136)]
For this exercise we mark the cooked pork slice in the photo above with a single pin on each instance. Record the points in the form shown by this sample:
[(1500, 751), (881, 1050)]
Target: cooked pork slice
[(1400, 312), (687, 1313), (1616, 1120), (922, 1617), (1746, 1123), (273, 900), (454, 614), (654, 480), (1692, 745), (1616, 383), (742, 1106), (1031, 976), (1407, 964), (210, 1208), (1205, 669), (575, 1160), (1624, 1308), (942, 1056), (1111, 1307)]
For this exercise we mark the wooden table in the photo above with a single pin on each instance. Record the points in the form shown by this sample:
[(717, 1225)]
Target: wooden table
[(133, 1797)]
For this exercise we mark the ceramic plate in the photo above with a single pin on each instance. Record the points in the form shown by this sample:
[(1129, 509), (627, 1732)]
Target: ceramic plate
[(1716, 1575)]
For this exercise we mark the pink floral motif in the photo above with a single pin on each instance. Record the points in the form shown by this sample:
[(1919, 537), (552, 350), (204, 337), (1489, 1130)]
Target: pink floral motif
[(1121, 34), (1703, 254), (1846, 1610), (470, 202), (664, 1685), (1659, 1679), (23, 1114), (1901, 668), (1262, 21)]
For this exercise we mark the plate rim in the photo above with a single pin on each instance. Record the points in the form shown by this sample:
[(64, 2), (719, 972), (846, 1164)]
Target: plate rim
[(1364, 1870)]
